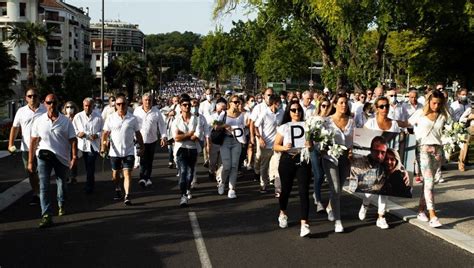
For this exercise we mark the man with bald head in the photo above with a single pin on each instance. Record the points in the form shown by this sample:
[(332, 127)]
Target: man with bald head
[(88, 127), (52, 141)]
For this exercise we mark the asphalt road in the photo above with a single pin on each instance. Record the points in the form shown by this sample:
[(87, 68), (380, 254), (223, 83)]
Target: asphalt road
[(242, 232)]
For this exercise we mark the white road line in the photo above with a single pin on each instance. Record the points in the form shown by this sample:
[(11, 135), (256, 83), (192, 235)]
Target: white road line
[(201, 247), (12, 194)]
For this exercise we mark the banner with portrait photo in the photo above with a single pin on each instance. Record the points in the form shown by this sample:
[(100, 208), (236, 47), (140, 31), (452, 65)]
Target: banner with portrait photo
[(367, 176)]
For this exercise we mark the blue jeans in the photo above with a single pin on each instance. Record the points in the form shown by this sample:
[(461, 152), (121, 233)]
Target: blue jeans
[(146, 161), (186, 159), (89, 162), (318, 173), (44, 172), (230, 155)]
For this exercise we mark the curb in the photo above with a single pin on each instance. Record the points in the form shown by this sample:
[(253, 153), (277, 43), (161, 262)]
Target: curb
[(12, 194), (452, 236)]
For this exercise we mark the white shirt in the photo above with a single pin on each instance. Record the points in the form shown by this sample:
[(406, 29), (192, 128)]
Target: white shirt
[(372, 124), (180, 125), (149, 123), (206, 108), (90, 125), (24, 119), (398, 113), (458, 109), (122, 132), (238, 127), (258, 110), (54, 136), (284, 131), (465, 116), (308, 110), (342, 137), (267, 124), (412, 109), (427, 132), (108, 110)]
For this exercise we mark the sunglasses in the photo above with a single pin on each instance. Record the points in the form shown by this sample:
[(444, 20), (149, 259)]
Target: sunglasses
[(185, 104), (385, 106), (32, 96), (294, 110), (69, 107), (391, 96), (50, 102), (119, 103), (324, 105), (236, 102), (368, 93)]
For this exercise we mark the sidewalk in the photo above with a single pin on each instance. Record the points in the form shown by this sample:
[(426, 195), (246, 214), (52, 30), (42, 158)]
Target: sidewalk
[(454, 204)]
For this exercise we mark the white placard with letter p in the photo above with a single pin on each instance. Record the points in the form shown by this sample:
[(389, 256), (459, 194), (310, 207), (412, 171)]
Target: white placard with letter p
[(296, 134)]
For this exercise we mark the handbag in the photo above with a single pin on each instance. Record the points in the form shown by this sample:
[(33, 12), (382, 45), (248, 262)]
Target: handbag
[(218, 135), (46, 155)]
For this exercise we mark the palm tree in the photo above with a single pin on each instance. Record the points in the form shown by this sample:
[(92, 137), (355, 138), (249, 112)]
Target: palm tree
[(130, 71), (8, 73), (33, 35)]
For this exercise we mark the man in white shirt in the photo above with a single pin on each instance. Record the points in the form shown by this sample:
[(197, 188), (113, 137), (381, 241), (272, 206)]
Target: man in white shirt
[(109, 109), (214, 149), (206, 108), (467, 118), (23, 121), (308, 107), (88, 127), (461, 105), (121, 127), (149, 122), (170, 113), (397, 110), (265, 131), (53, 141), (412, 105)]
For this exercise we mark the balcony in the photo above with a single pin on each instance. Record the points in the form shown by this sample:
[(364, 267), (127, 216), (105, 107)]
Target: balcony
[(52, 17)]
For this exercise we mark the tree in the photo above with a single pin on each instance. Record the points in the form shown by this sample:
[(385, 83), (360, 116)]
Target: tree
[(78, 82), (33, 35), (126, 71), (8, 73)]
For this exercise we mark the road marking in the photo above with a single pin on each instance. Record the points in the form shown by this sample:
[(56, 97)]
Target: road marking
[(201, 247), (12, 194)]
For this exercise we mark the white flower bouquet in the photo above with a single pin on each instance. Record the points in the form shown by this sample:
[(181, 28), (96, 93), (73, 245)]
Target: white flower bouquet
[(455, 134)]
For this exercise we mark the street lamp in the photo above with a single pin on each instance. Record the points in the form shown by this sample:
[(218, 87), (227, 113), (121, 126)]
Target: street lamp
[(102, 56)]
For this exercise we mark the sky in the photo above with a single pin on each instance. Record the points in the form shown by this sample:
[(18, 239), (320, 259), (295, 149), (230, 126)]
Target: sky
[(162, 16)]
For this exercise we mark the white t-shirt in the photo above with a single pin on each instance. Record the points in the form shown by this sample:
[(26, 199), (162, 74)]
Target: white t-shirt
[(108, 110), (398, 113), (149, 123), (372, 124), (24, 119), (122, 132), (238, 127), (285, 132), (342, 137), (267, 123), (206, 108), (54, 136), (181, 125), (308, 111), (258, 110), (412, 109), (90, 125), (465, 116), (427, 132)]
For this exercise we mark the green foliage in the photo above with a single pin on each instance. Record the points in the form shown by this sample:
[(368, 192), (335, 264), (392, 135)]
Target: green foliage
[(126, 72), (78, 82), (8, 73)]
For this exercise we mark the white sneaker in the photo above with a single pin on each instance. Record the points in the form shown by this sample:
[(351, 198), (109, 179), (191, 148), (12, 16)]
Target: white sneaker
[(231, 194), (188, 194), (315, 200), (363, 212), (184, 201), (220, 188), (304, 231), (330, 214), (338, 227), (193, 184), (149, 183), (283, 221), (441, 180), (319, 207), (382, 223), (434, 222), (422, 217), (142, 183)]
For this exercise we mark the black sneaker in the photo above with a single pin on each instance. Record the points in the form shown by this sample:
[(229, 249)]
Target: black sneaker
[(263, 190), (127, 201), (118, 194), (35, 200), (170, 164), (46, 221), (142, 183)]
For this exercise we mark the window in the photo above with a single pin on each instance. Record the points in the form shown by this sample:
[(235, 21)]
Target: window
[(22, 9), (3, 8), (97, 69), (23, 60), (97, 57), (3, 34)]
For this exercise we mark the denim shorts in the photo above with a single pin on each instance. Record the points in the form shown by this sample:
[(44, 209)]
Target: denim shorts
[(119, 163)]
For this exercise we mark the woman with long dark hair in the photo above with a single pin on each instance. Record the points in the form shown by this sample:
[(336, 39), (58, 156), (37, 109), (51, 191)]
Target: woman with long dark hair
[(291, 167)]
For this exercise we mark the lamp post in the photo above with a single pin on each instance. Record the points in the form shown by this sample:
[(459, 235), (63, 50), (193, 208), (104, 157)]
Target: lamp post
[(102, 56)]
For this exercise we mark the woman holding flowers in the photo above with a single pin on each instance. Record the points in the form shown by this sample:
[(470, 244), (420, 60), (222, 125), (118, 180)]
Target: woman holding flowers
[(291, 164), (429, 124), (336, 156)]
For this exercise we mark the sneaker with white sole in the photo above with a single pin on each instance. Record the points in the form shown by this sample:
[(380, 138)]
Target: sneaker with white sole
[(338, 228), (319, 207), (149, 183), (304, 231), (315, 200), (231, 194), (220, 188), (422, 217), (382, 223), (330, 214), (434, 223), (283, 221), (188, 194), (184, 201), (363, 212), (142, 183)]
